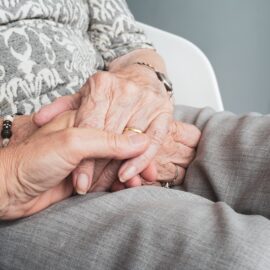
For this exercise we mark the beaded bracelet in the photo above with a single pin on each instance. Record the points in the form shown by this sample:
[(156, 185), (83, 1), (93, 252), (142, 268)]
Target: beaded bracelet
[(6, 132)]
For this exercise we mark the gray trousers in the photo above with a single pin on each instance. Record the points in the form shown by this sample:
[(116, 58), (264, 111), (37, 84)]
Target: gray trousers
[(219, 219)]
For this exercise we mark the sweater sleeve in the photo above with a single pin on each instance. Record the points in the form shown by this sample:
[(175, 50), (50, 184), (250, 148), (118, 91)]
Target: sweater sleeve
[(113, 29)]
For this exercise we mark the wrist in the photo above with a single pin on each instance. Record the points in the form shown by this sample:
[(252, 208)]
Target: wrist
[(149, 56), (10, 188), (22, 128)]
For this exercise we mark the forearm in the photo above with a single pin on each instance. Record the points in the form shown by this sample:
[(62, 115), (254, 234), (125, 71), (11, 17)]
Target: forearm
[(148, 56)]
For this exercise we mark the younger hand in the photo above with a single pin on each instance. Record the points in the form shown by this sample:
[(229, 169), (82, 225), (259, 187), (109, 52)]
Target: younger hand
[(37, 169)]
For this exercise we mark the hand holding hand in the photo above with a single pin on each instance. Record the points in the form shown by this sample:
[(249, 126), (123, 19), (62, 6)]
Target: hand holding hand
[(36, 170), (130, 97)]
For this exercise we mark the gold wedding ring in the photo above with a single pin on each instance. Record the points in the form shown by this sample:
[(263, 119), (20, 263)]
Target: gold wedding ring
[(136, 130)]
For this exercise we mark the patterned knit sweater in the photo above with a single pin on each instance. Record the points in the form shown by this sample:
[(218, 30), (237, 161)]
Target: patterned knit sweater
[(48, 48)]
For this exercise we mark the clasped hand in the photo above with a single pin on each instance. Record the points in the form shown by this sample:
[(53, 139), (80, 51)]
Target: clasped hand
[(83, 134), (130, 97)]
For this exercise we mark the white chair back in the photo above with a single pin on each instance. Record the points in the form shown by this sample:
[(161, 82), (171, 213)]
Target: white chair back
[(193, 77)]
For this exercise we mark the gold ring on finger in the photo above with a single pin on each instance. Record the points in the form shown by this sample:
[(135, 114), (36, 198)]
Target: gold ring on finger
[(136, 130)]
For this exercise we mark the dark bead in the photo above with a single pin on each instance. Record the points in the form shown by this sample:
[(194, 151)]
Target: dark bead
[(6, 133), (7, 122), (18, 113), (6, 126)]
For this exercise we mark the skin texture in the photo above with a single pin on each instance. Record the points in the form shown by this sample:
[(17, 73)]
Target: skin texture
[(127, 95), (36, 171), (34, 150), (175, 154)]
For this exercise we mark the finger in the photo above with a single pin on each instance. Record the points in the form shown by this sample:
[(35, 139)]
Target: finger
[(150, 173), (171, 173), (108, 176), (185, 133), (179, 154), (81, 143), (60, 105), (116, 120), (121, 108), (156, 132), (92, 112), (95, 101), (179, 178), (136, 181), (147, 183), (82, 176), (57, 154), (110, 170)]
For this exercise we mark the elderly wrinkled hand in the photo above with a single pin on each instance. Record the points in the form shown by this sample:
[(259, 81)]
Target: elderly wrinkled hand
[(175, 154), (171, 162), (129, 97)]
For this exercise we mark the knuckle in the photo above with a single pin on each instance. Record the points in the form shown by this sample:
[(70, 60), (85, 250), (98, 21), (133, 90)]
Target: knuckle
[(102, 75), (131, 88), (187, 155), (129, 94), (104, 78), (187, 133), (158, 136), (187, 152), (179, 130), (101, 85), (92, 121)]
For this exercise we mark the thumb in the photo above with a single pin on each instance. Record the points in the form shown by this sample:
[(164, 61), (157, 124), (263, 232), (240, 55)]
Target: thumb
[(60, 105), (90, 143), (62, 151)]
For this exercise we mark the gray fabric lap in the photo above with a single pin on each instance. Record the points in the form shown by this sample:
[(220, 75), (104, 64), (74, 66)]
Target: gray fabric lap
[(156, 228), (142, 228), (232, 163)]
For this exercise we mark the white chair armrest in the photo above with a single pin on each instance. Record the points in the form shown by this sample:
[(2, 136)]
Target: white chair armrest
[(193, 77)]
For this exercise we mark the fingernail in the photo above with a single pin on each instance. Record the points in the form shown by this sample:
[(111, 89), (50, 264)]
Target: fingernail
[(82, 184), (137, 139), (127, 174)]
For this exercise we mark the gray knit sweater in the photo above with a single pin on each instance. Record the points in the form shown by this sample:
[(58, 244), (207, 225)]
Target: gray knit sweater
[(48, 48)]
